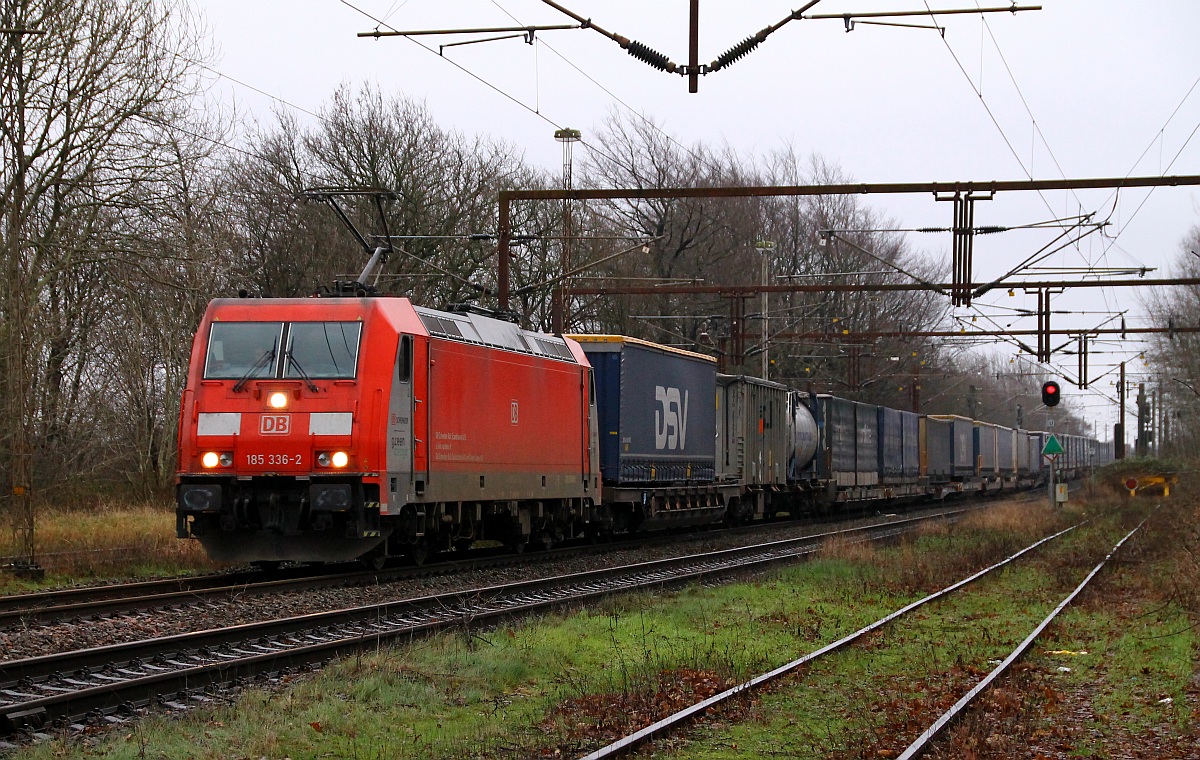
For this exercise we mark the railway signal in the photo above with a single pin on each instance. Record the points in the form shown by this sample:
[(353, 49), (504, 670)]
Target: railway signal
[(1051, 393)]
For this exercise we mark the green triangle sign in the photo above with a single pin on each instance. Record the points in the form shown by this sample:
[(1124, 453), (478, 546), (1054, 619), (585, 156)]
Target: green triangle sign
[(1052, 446)]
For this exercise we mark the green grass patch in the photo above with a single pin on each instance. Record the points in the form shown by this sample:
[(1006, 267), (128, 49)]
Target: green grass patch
[(569, 682), (562, 684)]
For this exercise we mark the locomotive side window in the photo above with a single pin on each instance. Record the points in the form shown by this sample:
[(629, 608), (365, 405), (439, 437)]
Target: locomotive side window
[(239, 350), (326, 350), (405, 360)]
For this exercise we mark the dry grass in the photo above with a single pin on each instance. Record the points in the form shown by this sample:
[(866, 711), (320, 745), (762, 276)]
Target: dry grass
[(855, 550), (1023, 519), (107, 537), (1172, 539)]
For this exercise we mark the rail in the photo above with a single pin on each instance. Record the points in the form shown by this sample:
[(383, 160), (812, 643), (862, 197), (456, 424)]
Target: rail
[(661, 727), (103, 681)]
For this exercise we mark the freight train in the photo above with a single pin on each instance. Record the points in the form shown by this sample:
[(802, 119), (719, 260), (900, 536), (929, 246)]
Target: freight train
[(330, 429)]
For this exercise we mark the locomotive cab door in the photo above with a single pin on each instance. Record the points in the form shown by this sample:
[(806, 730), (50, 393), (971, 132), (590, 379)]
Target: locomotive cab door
[(591, 454), (401, 427)]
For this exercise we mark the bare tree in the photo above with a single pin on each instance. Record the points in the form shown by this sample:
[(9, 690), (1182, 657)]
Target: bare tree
[(443, 221), (693, 239), (714, 241), (88, 92), (1176, 356)]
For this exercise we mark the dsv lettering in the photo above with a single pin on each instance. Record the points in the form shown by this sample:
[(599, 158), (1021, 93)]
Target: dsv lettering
[(670, 423)]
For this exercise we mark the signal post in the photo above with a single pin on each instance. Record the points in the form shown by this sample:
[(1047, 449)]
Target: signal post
[(1051, 452)]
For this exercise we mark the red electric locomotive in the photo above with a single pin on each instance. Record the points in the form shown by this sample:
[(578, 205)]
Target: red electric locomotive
[(328, 429)]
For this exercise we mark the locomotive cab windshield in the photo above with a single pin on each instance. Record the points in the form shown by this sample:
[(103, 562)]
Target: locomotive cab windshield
[(310, 350)]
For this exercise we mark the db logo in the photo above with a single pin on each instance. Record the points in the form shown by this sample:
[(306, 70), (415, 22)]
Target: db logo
[(275, 424)]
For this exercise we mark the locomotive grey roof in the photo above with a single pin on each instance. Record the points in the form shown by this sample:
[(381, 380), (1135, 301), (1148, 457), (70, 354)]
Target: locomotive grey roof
[(496, 333)]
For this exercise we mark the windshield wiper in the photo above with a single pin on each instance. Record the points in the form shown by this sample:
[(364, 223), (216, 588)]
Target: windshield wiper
[(267, 357), (307, 380)]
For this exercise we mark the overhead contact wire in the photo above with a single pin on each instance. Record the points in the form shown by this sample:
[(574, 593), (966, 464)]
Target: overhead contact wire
[(637, 114), (474, 76)]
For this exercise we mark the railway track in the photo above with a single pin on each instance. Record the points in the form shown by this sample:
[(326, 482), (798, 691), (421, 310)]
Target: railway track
[(105, 601), (148, 596), (46, 606), (922, 742), (114, 683), (678, 719)]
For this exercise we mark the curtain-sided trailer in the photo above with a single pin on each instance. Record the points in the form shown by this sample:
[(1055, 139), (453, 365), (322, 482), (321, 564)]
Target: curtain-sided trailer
[(899, 452), (657, 425)]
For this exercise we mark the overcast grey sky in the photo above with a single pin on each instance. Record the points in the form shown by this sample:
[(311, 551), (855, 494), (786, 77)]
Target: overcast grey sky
[(1082, 88)]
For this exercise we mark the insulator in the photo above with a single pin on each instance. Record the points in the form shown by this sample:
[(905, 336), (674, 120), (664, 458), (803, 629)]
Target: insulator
[(931, 229), (650, 56), (989, 230), (737, 51)]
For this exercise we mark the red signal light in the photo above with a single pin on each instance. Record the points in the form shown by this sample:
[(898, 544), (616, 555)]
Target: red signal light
[(1050, 393)]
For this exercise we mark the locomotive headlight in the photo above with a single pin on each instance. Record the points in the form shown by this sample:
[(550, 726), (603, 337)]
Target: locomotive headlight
[(278, 400), (211, 459), (336, 459)]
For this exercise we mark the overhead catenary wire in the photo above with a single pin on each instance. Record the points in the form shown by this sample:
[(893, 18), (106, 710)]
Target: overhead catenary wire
[(495, 88), (932, 286), (636, 113), (460, 67), (547, 46), (979, 93), (1112, 197), (662, 62)]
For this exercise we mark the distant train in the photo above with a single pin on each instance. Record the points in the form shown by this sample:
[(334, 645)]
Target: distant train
[(329, 429)]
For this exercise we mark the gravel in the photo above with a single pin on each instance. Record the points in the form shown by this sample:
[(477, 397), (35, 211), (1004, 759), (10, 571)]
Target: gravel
[(37, 640)]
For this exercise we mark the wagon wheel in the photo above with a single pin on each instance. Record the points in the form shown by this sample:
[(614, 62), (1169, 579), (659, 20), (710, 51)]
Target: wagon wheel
[(418, 552), (548, 537), (375, 560)]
